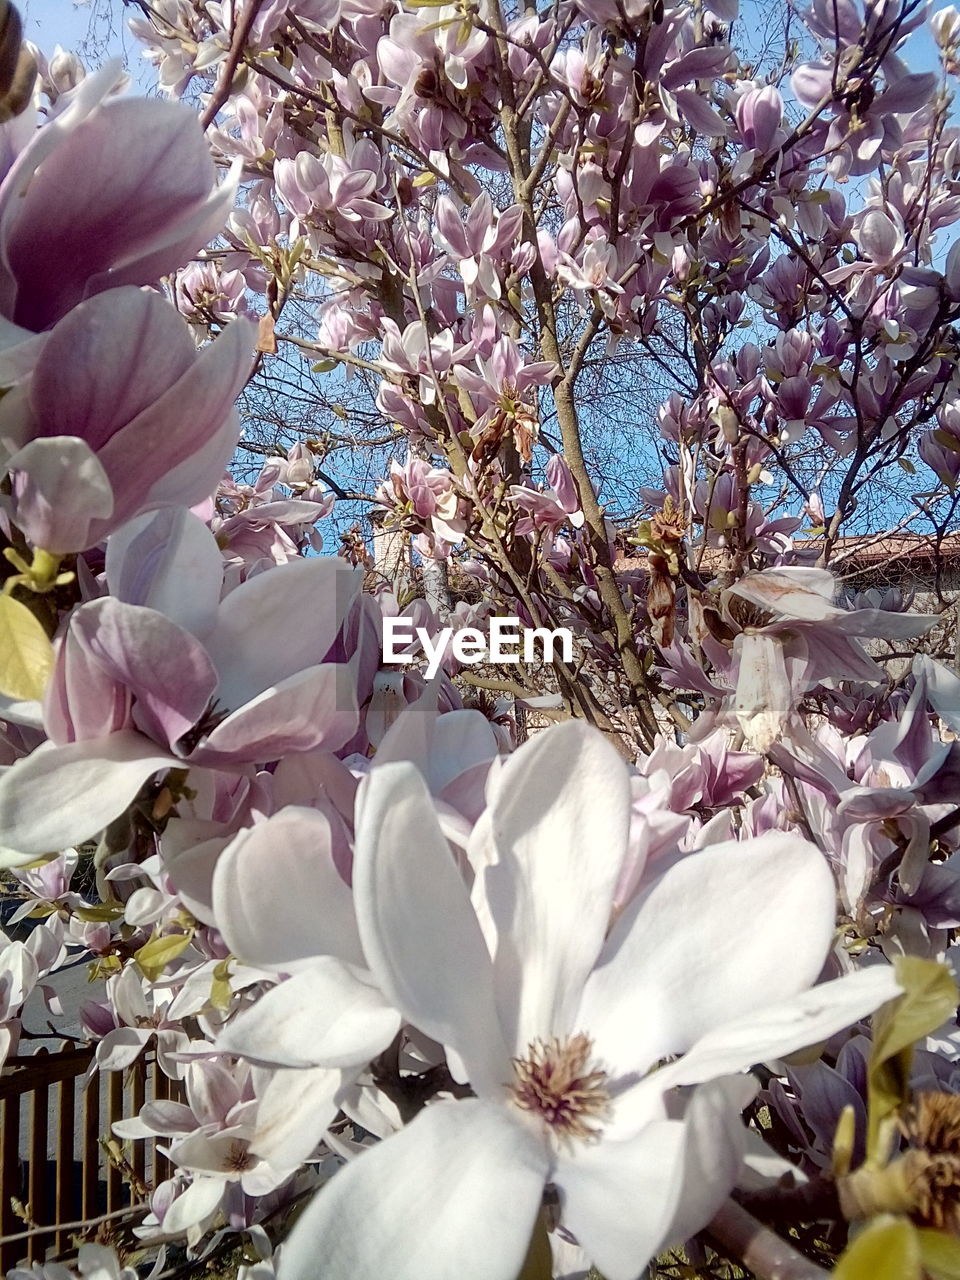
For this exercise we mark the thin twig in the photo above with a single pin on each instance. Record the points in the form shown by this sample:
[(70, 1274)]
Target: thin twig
[(241, 33), (75, 1226)]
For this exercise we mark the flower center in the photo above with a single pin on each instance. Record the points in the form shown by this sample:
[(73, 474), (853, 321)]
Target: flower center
[(554, 1081), (238, 1158)]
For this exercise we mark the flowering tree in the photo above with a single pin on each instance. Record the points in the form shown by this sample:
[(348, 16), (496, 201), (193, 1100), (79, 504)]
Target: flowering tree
[(673, 973)]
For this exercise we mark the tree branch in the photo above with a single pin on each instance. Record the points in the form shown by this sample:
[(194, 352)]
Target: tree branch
[(760, 1250)]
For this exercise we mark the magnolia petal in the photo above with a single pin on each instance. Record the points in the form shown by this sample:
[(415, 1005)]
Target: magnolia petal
[(254, 646), (453, 751), (159, 1117), (62, 493), (279, 900), (60, 796), (619, 1198), (551, 887), (764, 697), (787, 1026), (420, 936), (179, 240), (713, 1152), (656, 993), (191, 869), (107, 361), (313, 708), (193, 1206), (186, 469), (943, 689), (169, 561), (441, 746), (163, 666), (293, 1112), (455, 1193), (795, 591), (325, 1016), (101, 222), (119, 1048)]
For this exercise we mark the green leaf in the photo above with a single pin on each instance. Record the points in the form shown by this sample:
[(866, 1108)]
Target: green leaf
[(104, 911), (425, 179), (154, 956), (929, 999), (323, 366), (907, 466), (940, 1254), (26, 654), (888, 1249), (296, 253)]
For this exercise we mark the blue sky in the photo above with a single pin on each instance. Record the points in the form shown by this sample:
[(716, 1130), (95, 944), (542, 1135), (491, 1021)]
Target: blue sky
[(103, 22), (50, 22)]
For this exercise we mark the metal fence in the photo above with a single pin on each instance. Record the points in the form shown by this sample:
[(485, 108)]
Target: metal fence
[(55, 1167)]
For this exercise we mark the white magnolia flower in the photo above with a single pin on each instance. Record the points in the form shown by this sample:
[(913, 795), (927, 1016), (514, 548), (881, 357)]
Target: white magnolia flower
[(558, 1027), (95, 1262)]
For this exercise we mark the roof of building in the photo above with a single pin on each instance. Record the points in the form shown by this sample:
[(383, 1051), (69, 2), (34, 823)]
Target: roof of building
[(899, 549)]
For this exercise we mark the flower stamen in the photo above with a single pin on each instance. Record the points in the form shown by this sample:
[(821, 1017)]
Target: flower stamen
[(554, 1083)]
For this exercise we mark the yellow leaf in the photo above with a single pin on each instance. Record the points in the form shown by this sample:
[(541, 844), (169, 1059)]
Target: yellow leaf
[(929, 999), (154, 956), (220, 991), (26, 654), (843, 1142), (105, 967), (888, 1249), (940, 1254)]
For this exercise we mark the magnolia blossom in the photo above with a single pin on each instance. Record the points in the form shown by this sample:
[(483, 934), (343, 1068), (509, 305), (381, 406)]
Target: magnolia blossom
[(794, 637), (94, 1262), (428, 493), (128, 1021), (75, 219), (132, 691), (557, 1021), (119, 415), (560, 504)]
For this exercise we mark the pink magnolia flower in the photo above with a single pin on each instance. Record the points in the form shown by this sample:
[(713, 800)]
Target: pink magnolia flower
[(74, 221), (478, 243), (119, 415), (560, 504), (132, 693), (793, 636), (427, 493), (205, 291), (132, 1015)]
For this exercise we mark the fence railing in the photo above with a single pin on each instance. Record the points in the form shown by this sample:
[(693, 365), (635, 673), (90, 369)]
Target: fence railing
[(54, 1167)]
